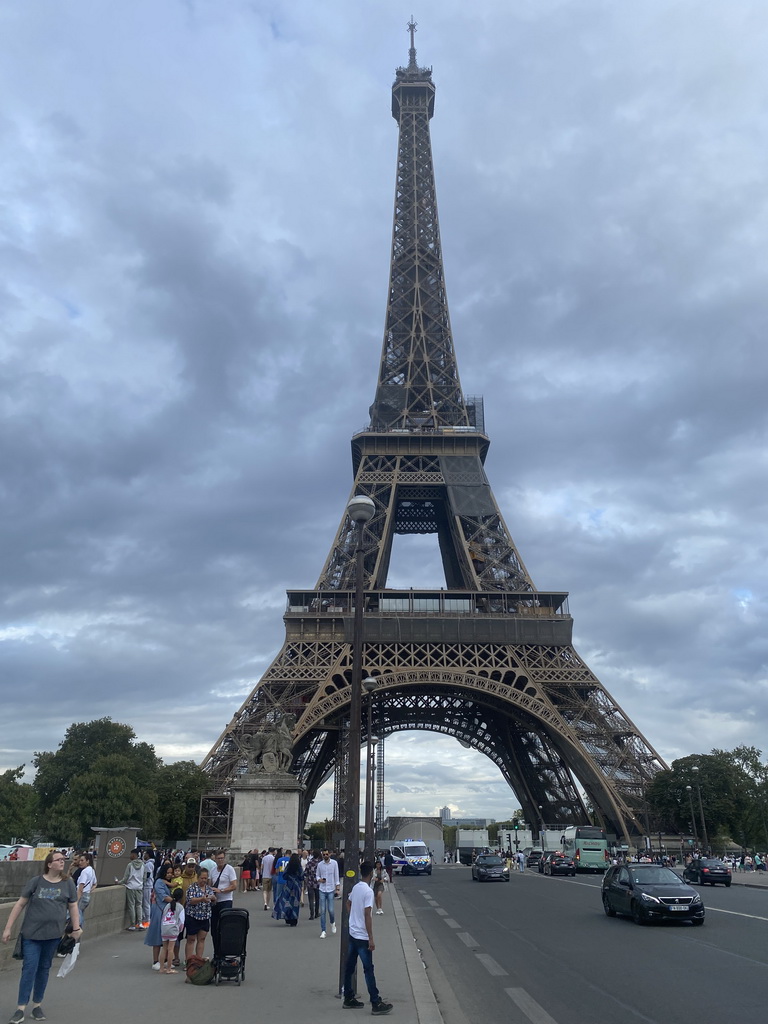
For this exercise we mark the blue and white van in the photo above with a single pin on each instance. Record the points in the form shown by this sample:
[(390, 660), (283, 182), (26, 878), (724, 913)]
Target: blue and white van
[(411, 857)]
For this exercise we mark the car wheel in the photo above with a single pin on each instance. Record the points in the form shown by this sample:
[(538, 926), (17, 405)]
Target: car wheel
[(727, 885), (698, 921), (637, 915), (609, 911), (573, 874)]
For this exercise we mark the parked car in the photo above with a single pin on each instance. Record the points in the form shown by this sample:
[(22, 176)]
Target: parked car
[(708, 871), (533, 858), (558, 864), (649, 892), (488, 868)]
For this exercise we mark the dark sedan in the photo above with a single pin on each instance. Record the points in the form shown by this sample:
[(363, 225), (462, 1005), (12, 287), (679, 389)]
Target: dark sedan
[(489, 868), (707, 871), (648, 892), (533, 859), (558, 864)]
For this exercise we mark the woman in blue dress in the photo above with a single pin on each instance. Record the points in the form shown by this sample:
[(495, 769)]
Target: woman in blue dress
[(162, 893), (288, 902)]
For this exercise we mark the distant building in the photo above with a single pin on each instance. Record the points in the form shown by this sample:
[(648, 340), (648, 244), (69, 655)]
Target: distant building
[(445, 814), (469, 822)]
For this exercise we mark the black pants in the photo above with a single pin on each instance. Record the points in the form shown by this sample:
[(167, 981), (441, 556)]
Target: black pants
[(216, 910), (313, 896)]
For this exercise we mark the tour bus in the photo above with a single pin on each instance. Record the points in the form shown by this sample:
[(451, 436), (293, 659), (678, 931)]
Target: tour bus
[(588, 846)]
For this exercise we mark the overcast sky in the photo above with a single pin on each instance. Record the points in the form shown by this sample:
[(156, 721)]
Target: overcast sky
[(194, 249)]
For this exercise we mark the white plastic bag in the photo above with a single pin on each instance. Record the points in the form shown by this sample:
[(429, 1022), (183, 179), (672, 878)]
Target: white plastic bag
[(69, 962)]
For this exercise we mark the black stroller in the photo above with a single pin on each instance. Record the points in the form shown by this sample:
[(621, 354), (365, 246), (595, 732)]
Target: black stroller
[(229, 962)]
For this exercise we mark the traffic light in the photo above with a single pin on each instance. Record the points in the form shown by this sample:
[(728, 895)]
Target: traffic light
[(517, 825)]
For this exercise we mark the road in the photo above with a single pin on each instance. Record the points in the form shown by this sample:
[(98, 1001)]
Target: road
[(538, 950)]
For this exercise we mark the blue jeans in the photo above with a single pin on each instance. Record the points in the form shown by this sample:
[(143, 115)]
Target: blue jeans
[(359, 948), (326, 904), (38, 957), (82, 903)]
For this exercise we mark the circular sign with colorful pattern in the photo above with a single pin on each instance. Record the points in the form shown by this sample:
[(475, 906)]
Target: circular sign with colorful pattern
[(115, 847)]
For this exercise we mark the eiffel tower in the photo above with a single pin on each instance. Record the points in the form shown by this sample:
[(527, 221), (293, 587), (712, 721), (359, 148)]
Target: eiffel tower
[(488, 659)]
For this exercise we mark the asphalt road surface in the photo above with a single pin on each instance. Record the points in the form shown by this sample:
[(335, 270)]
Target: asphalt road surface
[(539, 950)]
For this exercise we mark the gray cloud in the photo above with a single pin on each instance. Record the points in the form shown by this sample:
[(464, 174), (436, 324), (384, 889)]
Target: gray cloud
[(197, 207)]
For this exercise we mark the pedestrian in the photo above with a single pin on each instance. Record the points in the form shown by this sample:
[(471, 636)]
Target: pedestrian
[(311, 885), (361, 943), (520, 860), (267, 863), (223, 883), (378, 886), (245, 872), (288, 901), (281, 863), (171, 926), (198, 907), (209, 864), (389, 861), (328, 887), (133, 880), (86, 883), (161, 893), (47, 899), (148, 882)]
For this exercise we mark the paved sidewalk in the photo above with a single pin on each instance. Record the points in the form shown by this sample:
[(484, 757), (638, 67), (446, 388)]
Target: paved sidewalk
[(289, 971)]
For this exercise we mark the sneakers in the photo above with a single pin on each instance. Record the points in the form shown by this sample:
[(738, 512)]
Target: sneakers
[(18, 1017), (352, 1004), (380, 1008), (156, 967), (132, 928), (333, 929), (322, 936), (379, 911), (37, 1013)]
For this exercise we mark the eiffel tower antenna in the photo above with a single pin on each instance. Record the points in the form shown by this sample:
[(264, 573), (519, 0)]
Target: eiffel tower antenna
[(488, 658)]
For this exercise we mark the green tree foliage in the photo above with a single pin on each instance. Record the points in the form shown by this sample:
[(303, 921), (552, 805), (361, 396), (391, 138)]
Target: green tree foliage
[(178, 788), (83, 745), (18, 806), (733, 786), (449, 836)]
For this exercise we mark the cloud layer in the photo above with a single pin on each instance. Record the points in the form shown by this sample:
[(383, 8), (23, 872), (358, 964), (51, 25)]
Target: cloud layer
[(197, 206)]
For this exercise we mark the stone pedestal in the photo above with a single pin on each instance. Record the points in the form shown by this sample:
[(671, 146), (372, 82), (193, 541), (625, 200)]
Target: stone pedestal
[(265, 812)]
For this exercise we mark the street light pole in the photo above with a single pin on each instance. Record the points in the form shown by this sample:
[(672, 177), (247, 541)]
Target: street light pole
[(360, 511), (689, 790), (701, 811), (370, 685)]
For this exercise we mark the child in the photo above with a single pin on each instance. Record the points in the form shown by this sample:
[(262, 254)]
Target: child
[(171, 925)]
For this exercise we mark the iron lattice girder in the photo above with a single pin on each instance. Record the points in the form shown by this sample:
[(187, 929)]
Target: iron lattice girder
[(546, 701)]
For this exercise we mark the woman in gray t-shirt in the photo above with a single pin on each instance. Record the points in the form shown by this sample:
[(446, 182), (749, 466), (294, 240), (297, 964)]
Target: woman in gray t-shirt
[(47, 898)]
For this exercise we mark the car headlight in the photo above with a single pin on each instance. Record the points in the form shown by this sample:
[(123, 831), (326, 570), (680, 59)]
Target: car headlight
[(648, 898), (696, 898), (505, 870)]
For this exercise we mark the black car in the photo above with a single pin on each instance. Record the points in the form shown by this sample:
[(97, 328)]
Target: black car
[(649, 892), (533, 859), (707, 871), (488, 868), (557, 864)]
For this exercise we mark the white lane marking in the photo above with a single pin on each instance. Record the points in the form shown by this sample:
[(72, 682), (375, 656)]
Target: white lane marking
[(490, 964), (451, 923), (736, 913), (441, 912), (467, 939), (532, 1010)]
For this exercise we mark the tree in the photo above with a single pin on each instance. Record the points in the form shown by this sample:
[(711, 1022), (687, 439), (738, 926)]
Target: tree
[(178, 788), (83, 744), (18, 806)]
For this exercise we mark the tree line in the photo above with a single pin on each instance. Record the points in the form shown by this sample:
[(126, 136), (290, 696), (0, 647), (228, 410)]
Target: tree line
[(100, 775)]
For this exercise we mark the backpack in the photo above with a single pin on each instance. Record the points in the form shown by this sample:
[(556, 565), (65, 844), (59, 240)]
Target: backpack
[(199, 971)]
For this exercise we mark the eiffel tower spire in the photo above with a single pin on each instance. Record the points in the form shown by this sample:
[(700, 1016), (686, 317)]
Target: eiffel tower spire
[(418, 378), (488, 658)]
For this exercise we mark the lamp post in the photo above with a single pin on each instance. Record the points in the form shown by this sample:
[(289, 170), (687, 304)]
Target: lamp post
[(705, 837), (689, 791), (541, 827), (360, 510), (369, 685)]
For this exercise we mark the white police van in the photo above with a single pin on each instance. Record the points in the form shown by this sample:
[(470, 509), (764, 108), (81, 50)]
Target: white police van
[(411, 857)]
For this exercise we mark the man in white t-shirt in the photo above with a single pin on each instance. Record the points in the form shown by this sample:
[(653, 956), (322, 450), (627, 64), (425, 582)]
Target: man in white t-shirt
[(327, 876), (361, 943), (267, 862), (223, 883)]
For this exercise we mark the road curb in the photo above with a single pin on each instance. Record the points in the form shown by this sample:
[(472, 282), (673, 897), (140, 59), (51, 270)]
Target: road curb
[(427, 1009)]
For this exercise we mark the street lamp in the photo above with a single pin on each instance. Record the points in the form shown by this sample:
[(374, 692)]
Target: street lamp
[(689, 791), (369, 685), (695, 768), (360, 510)]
